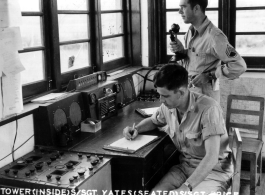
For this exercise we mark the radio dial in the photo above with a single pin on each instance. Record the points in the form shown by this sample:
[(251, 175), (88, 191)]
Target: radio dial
[(7, 171)]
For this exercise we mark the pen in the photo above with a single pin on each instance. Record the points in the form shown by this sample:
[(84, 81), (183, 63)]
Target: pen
[(131, 132)]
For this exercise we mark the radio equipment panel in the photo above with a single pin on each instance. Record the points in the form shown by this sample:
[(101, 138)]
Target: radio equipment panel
[(100, 100), (86, 81), (49, 169), (58, 123)]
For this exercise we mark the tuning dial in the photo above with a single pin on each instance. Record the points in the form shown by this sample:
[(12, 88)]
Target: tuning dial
[(92, 98), (69, 165), (27, 174), (38, 167), (7, 171), (49, 163), (29, 160), (71, 180), (90, 168), (81, 171), (49, 177), (32, 170), (53, 158), (75, 176), (58, 178), (15, 172), (94, 162)]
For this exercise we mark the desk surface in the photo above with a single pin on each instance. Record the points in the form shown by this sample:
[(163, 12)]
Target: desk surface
[(112, 130)]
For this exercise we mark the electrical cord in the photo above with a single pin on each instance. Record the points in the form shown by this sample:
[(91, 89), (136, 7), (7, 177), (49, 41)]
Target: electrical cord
[(13, 155), (17, 148)]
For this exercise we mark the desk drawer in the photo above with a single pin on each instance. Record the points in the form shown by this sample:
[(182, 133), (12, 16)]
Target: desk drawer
[(153, 163)]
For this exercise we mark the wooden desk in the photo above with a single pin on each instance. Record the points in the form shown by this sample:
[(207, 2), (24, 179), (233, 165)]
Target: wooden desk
[(138, 171)]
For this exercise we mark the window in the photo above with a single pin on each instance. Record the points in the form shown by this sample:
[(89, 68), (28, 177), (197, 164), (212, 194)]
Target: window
[(172, 16), (33, 40), (66, 39), (248, 33), (113, 33)]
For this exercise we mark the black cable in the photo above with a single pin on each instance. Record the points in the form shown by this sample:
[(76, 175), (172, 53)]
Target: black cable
[(15, 140), (146, 76), (17, 147)]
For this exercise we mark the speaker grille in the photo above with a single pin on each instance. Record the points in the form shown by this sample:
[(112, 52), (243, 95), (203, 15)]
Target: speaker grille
[(59, 119), (75, 114)]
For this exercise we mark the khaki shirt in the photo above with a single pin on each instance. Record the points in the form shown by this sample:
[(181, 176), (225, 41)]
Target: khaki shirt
[(207, 48), (202, 120)]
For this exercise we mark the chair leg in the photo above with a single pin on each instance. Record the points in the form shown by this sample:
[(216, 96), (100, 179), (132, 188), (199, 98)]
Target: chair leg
[(253, 174), (259, 168)]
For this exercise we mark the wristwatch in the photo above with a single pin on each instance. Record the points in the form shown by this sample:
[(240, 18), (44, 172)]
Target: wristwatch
[(188, 185)]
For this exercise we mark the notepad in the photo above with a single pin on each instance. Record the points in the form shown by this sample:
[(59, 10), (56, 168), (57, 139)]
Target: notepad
[(131, 146)]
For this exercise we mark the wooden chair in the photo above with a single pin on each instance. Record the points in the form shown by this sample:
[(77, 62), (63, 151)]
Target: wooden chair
[(248, 117), (236, 147)]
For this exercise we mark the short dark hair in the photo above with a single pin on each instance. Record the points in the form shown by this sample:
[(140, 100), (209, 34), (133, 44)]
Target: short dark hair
[(171, 77), (202, 3)]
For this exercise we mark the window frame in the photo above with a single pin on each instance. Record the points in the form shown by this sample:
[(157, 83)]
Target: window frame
[(119, 62), (254, 63), (55, 81)]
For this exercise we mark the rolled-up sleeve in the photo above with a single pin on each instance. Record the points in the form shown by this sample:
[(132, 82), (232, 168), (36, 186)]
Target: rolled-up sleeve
[(158, 118), (212, 122)]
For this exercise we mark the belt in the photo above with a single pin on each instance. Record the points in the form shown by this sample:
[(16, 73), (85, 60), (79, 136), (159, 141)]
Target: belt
[(191, 77)]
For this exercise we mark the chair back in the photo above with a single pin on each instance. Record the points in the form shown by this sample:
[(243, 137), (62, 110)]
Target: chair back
[(236, 148), (245, 113)]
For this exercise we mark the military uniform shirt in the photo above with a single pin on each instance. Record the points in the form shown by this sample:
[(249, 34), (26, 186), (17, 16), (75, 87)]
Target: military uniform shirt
[(206, 47), (202, 120)]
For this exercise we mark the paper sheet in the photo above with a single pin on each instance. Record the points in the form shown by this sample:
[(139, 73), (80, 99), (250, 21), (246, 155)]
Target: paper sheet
[(49, 97), (149, 111), (12, 95), (10, 13), (13, 35), (131, 145), (10, 62)]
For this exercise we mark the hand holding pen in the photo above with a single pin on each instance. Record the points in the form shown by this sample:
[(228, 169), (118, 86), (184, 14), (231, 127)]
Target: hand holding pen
[(130, 132)]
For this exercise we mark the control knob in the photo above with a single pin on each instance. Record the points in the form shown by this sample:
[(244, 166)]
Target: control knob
[(7, 171), (49, 176), (27, 174), (58, 178)]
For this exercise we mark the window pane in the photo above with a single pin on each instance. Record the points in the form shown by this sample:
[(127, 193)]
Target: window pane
[(111, 24), (212, 4), (72, 5), (113, 49), (213, 16), (180, 37), (111, 4), (29, 5), (34, 67), (250, 20), (73, 27), (172, 4), (174, 17), (250, 45), (31, 31), (248, 3), (74, 56)]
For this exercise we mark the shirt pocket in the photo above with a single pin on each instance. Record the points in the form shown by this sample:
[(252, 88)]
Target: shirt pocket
[(193, 139)]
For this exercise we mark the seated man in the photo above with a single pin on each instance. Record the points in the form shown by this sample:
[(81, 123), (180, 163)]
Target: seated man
[(196, 126)]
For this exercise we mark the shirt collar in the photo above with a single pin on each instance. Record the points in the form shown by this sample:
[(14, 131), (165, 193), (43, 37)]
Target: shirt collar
[(191, 105), (203, 26)]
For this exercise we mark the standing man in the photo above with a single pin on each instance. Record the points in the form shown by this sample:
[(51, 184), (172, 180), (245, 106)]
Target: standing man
[(197, 129), (206, 47)]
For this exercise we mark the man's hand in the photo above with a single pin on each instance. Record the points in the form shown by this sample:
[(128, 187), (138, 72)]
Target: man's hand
[(176, 46), (130, 133), (199, 80)]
